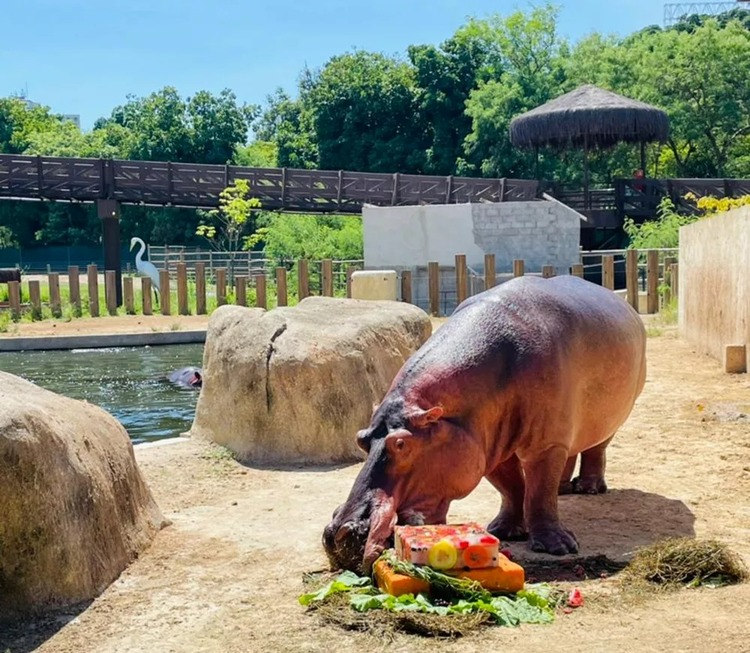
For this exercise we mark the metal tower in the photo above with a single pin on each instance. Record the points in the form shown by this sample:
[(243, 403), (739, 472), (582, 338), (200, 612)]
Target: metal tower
[(673, 12)]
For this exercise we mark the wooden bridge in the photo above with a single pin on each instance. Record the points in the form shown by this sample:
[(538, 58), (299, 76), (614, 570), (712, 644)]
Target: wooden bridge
[(155, 183)]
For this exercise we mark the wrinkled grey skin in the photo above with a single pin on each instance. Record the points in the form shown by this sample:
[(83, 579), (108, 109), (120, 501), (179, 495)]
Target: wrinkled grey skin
[(520, 381), (187, 377)]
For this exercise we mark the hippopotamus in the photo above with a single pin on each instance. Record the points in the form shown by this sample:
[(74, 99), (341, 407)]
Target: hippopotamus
[(519, 381), (188, 377)]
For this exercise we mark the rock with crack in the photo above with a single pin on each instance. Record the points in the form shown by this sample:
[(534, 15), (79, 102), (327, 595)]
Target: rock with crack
[(74, 508), (294, 385)]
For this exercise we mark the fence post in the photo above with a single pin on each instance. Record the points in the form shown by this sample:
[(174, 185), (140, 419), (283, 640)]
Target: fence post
[(200, 288), (406, 295), (349, 272), (110, 291), (93, 283), (675, 273), (652, 281), (489, 271), (128, 295), (182, 290), (577, 270), (14, 298), (461, 290), (74, 286), (221, 286), (54, 294), (518, 267), (35, 297), (240, 290), (281, 293), (146, 298), (548, 271), (260, 291), (303, 279), (668, 278), (433, 277), (164, 293), (608, 271), (631, 277), (327, 277)]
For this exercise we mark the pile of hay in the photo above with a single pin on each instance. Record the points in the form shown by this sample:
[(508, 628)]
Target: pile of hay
[(678, 562)]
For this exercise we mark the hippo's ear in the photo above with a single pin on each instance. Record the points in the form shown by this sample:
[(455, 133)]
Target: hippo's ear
[(420, 419), (363, 440)]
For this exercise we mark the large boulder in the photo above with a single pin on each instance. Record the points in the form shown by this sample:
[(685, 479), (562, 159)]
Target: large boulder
[(294, 384), (74, 509)]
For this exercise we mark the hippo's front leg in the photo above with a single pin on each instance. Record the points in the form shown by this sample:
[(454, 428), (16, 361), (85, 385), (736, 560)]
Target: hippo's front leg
[(543, 474), (508, 479)]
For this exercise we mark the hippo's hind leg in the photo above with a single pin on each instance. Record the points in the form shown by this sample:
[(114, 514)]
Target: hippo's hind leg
[(566, 483), (508, 478), (590, 479)]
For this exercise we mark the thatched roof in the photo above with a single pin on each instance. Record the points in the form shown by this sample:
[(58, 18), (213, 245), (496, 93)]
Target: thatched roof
[(589, 115)]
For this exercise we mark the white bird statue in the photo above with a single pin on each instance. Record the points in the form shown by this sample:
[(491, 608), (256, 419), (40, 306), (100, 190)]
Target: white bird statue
[(144, 267)]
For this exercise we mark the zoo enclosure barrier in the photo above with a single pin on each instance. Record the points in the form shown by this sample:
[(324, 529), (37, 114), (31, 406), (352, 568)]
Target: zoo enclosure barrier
[(650, 280)]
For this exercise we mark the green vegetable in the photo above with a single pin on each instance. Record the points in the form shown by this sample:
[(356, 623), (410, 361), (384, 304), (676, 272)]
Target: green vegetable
[(342, 583)]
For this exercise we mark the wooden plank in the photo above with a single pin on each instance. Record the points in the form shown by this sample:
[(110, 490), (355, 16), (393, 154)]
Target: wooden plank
[(260, 291), (165, 293), (461, 279), (221, 286), (518, 267), (327, 277), (35, 299), (433, 280), (548, 271), (55, 305), (668, 261), (200, 288), (128, 295), (240, 290), (303, 279), (350, 269), (675, 280), (281, 291), (14, 299), (110, 291), (489, 271), (631, 277), (608, 271), (93, 284), (577, 270), (74, 289), (406, 293), (182, 289), (146, 299), (652, 281)]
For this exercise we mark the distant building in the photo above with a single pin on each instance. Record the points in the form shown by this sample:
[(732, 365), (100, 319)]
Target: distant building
[(70, 117)]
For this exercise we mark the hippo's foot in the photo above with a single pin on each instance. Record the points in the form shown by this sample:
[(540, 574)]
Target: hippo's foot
[(555, 540), (509, 530), (589, 485), (566, 487)]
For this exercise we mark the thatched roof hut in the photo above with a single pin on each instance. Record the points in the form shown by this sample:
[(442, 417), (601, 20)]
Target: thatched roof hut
[(589, 117)]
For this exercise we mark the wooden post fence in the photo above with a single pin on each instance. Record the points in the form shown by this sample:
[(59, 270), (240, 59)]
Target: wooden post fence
[(303, 279), (406, 294), (577, 270), (668, 261), (165, 294), (260, 291), (461, 281), (548, 271), (110, 291), (281, 292), (349, 272), (55, 304), (74, 288), (675, 278), (93, 284), (433, 282), (631, 277), (221, 286), (608, 271), (518, 267), (652, 281), (146, 299), (14, 299), (182, 289), (128, 295), (35, 298), (327, 277), (489, 271), (240, 290), (200, 288)]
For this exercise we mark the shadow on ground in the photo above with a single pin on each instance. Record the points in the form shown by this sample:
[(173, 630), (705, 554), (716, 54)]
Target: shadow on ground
[(26, 635)]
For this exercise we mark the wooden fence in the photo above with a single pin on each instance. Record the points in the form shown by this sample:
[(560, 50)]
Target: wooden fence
[(180, 294)]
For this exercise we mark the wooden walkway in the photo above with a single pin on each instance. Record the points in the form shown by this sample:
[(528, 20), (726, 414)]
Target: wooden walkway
[(154, 183)]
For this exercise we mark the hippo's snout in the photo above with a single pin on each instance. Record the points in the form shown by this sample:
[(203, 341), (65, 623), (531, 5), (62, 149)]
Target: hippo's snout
[(344, 541)]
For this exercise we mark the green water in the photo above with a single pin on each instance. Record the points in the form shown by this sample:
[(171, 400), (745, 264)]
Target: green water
[(127, 382)]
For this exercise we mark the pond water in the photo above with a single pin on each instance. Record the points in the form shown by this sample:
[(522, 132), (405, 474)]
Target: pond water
[(128, 382)]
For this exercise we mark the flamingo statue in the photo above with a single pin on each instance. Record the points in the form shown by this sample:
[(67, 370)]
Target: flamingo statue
[(144, 267)]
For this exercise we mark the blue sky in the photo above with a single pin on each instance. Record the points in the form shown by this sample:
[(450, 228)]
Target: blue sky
[(85, 56)]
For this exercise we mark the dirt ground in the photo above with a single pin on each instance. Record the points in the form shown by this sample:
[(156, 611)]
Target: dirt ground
[(225, 576), (108, 324)]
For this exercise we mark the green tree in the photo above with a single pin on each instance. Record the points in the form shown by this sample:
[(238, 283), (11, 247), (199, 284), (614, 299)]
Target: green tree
[(19, 123)]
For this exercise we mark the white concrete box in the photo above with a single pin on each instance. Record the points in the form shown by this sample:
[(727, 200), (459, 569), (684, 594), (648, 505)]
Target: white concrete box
[(375, 285)]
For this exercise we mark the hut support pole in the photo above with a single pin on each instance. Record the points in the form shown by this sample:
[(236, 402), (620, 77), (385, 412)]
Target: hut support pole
[(643, 158), (586, 195)]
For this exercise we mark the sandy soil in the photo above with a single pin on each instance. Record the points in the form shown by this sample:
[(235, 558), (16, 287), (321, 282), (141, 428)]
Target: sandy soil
[(107, 325), (225, 576)]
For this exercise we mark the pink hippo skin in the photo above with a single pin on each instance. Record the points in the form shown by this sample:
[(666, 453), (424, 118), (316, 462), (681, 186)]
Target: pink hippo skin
[(519, 381)]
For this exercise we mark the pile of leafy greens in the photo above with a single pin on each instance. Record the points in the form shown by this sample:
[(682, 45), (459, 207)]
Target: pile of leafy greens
[(533, 605)]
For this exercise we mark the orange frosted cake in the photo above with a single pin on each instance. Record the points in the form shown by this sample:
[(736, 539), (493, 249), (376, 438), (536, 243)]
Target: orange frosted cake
[(447, 546)]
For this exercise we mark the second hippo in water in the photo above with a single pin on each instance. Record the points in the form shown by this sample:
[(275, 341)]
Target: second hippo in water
[(187, 377), (519, 381)]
